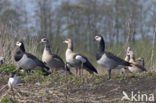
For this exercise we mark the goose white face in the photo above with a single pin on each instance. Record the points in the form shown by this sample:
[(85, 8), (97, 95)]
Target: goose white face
[(18, 43), (98, 38), (43, 40)]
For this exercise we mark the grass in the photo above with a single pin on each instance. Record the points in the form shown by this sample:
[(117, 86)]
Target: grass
[(86, 81), (77, 84), (7, 99), (7, 68)]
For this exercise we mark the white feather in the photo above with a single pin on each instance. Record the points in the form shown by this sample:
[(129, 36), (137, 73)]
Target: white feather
[(13, 81), (79, 57)]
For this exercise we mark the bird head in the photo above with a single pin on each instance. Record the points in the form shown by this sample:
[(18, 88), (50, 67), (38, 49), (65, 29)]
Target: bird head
[(67, 41), (44, 40), (19, 43), (98, 38), (140, 59)]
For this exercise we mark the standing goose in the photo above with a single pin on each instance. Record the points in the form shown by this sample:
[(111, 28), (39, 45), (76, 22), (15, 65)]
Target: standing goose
[(53, 61), (135, 68), (28, 61), (77, 60), (107, 59)]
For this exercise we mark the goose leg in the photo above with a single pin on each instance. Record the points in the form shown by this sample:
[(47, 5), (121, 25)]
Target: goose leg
[(109, 73), (28, 72), (76, 71), (79, 71)]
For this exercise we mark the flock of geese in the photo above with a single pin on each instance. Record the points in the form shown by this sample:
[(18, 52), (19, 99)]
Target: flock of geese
[(54, 63)]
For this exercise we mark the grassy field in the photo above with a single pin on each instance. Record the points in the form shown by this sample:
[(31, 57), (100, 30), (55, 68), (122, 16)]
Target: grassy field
[(56, 88), (75, 89)]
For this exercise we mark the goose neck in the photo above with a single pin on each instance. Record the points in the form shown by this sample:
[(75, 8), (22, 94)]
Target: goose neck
[(70, 46), (22, 48), (102, 45), (47, 47)]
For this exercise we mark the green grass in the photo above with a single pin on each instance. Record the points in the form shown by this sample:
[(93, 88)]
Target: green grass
[(6, 99), (7, 68), (63, 80)]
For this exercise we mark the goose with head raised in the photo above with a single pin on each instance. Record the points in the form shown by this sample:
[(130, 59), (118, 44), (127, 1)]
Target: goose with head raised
[(107, 59), (28, 61), (77, 60), (53, 61), (136, 67)]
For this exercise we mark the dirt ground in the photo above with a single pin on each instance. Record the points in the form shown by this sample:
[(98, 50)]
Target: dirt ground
[(85, 89)]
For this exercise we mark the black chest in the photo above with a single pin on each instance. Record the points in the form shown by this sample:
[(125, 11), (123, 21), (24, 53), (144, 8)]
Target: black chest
[(99, 55), (19, 54)]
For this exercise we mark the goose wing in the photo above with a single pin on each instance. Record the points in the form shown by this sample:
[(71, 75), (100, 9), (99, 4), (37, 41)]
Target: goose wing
[(35, 59), (117, 59), (86, 63), (80, 58), (58, 58)]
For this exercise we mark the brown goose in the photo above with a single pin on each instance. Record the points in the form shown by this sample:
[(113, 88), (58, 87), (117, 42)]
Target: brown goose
[(77, 60), (135, 68), (53, 61), (130, 57)]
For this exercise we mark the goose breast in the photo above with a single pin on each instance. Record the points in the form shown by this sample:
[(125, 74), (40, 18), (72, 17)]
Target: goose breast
[(107, 62), (26, 63)]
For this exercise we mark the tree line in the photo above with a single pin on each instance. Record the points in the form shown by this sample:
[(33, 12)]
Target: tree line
[(119, 21)]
